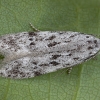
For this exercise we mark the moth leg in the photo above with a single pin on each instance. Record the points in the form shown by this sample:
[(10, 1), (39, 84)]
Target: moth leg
[(34, 28), (95, 58), (69, 70)]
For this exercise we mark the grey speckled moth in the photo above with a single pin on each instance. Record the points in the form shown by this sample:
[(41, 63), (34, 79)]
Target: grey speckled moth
[(29, 54)]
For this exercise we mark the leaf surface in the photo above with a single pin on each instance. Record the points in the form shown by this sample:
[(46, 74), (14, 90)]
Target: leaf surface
[(71, 15)]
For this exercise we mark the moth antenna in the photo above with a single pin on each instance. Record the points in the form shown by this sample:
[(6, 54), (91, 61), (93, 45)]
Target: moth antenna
[(34, 28), (68, 71)]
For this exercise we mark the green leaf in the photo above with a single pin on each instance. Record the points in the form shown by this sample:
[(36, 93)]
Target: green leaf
[(71, 15), (1, 57)]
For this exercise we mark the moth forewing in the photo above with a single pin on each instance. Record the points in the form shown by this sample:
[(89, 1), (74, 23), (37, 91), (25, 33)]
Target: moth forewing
[(31, 54)]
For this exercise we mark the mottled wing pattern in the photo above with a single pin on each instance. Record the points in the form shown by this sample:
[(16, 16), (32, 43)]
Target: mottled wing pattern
[(30, 54)]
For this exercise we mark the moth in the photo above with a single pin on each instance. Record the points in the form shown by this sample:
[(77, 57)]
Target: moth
[(29, 54)]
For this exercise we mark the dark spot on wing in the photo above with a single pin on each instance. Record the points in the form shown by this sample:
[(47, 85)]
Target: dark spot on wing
[(22, 74), (35, 67), (96, 44), (35, 63), (11, 42), (17, 64), (90, 53), (87, 36), (72, 50), (89, 41), (69, 54), (53, 44), (1, 73), (67, 64), (15, 61), (54, 63), (76, 58), (61, 33), (95, 41), (37, 73), (90, 47), (67, 41), (55, 56), (14, 71), (73, 35), (30, 39), (44, 65), (32, 34), (32, 43), (68, 50), (51, 37), (2, 46), (6, 68), (9, 75), (58, 51)]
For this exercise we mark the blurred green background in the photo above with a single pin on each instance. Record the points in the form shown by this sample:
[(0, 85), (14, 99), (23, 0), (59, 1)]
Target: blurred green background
[(70, 15)]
